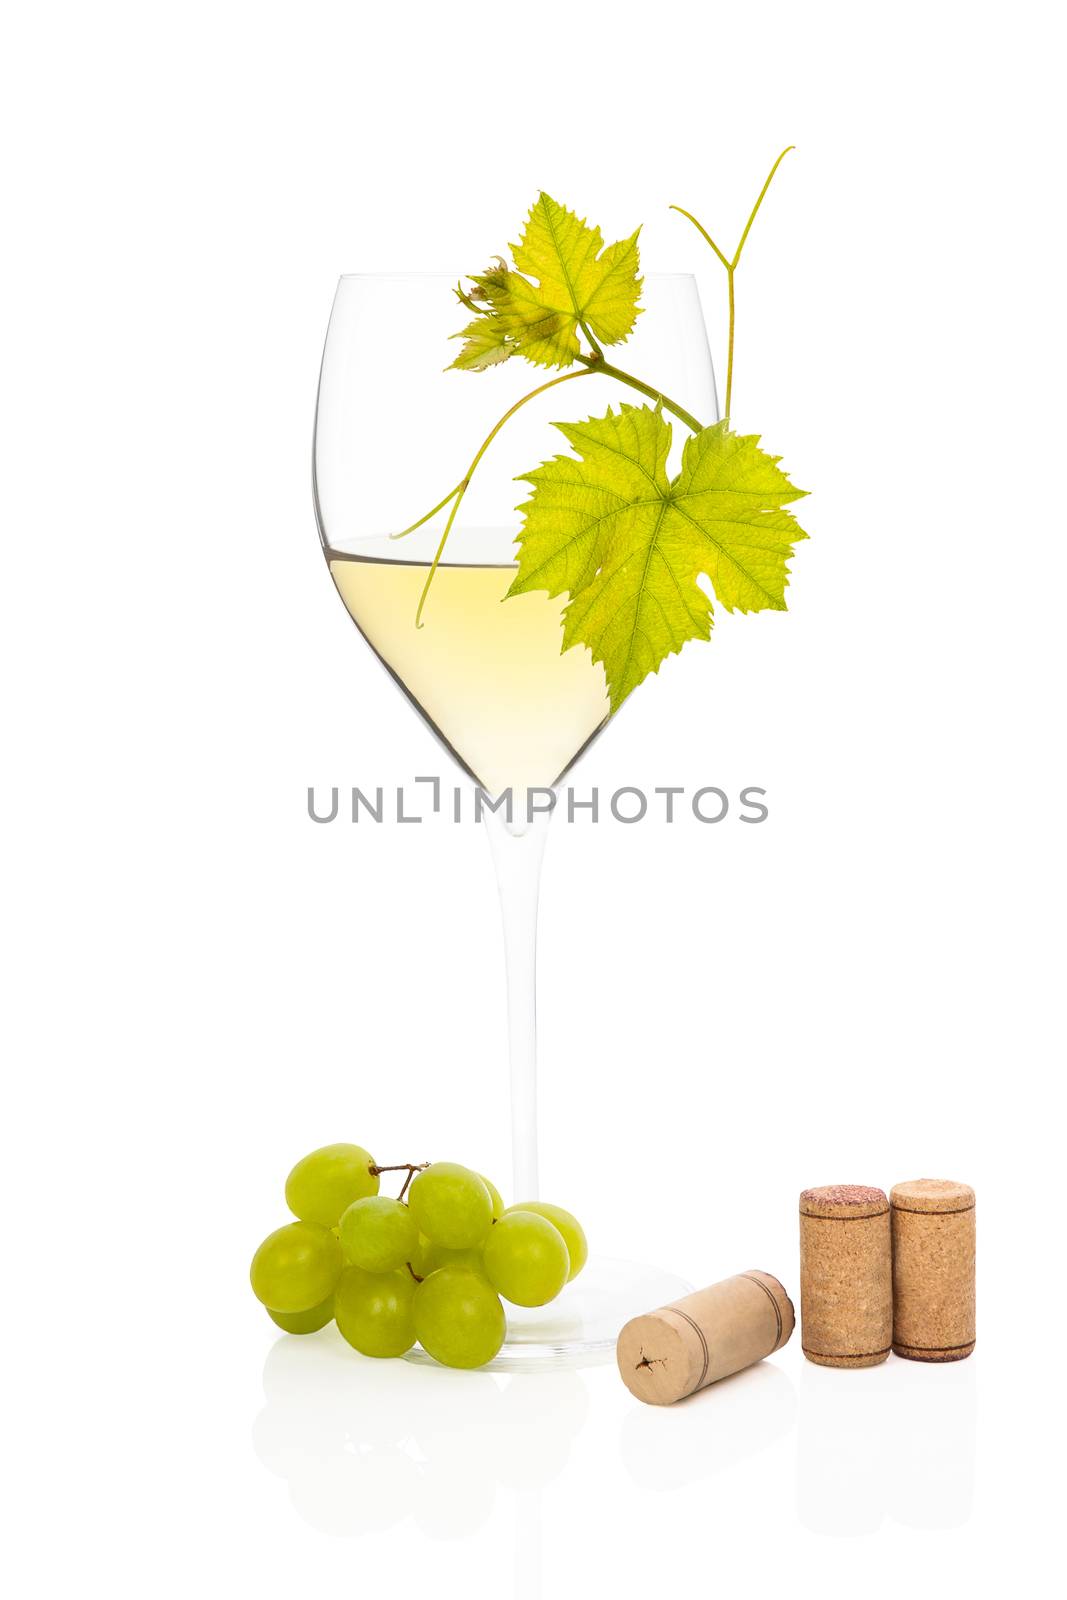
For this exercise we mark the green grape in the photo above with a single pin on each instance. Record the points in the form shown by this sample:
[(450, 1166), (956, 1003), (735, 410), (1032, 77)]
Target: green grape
[(374, 1311), (458, 1318), (296, 1267), (494, 1196), (568, 1225), (451, 1205), (427, 1257), (435, 1256), (422, 1262), (526, 1259), (304, 1321), (326, 1182), (470, 1259), (378, 1234)]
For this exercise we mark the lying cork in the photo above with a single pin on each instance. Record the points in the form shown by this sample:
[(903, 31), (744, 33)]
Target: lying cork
[(933, 1269), (668, 1354), (846, 1283)]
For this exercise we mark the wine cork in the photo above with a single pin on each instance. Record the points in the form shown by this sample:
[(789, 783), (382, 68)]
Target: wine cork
[(846, 1279), (668, 1354), (933, 1269)]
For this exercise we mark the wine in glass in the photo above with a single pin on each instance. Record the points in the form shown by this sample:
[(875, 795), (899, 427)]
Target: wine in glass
[(490, 679)]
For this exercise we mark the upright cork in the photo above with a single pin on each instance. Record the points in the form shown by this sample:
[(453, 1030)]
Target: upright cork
[(668, 1354), (933, 1269), (846, 1280)]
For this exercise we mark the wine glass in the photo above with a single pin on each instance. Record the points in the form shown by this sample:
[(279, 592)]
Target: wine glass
[(394, 432)]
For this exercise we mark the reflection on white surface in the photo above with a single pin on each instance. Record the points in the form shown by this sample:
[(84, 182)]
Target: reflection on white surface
[(666, 1447), (894, 1441), (365, 1444), (579, 1328)]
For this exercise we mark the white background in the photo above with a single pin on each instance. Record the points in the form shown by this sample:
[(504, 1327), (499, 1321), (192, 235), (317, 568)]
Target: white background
[(203, 985)]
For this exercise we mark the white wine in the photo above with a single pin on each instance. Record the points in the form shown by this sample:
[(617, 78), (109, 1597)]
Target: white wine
[(489, 678)]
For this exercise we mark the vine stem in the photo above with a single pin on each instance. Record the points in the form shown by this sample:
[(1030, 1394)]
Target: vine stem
[(464, 484), (731, 268), (590, 364), (440, 506), (730, 341), (598, 364), (598, 354)]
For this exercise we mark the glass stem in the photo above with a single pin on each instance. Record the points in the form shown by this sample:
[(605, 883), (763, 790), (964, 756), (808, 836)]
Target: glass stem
[(517, 851)]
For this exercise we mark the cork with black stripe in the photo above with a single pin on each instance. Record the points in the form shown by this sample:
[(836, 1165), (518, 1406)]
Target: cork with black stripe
[(846, 1279), (668, 1354), (933, 1229)]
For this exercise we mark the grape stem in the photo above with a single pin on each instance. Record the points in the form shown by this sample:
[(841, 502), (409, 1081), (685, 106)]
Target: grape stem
[(410, 1167)]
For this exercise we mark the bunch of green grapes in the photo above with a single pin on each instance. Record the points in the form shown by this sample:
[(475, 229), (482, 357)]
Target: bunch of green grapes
[(430, 1267)]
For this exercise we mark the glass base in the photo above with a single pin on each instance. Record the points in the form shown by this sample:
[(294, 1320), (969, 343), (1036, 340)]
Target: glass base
[(580, 1327)]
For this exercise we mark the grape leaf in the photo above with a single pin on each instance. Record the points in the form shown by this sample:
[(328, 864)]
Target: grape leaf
[(627, 543), (571, 279), (486, 344)]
